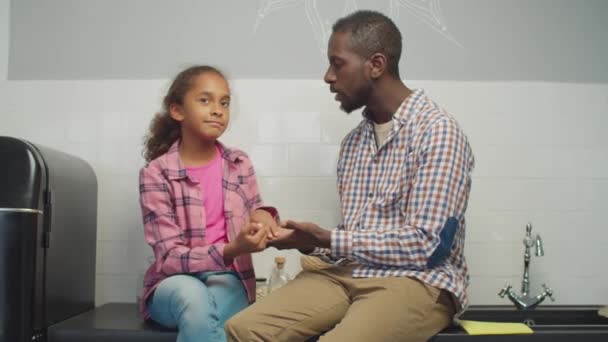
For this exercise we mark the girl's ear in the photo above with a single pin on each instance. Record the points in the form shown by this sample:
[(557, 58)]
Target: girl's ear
[(175, 111)]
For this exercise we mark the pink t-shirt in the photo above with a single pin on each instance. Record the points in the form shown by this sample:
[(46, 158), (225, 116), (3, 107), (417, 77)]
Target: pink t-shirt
[(209, 177)]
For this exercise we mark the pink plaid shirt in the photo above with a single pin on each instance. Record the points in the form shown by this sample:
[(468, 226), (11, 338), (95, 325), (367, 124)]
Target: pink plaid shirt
[(403, 203), (174, 218)]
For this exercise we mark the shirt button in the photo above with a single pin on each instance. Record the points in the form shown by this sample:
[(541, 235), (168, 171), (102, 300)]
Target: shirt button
[(370, 194)]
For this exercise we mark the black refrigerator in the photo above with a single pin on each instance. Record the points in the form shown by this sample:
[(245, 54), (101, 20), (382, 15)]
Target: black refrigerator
[(48, 233)]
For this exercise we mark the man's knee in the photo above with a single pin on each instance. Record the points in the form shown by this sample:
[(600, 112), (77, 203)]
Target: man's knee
[(238, 327)]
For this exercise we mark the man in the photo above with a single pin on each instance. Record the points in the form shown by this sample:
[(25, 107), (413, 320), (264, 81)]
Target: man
[(397, 270)]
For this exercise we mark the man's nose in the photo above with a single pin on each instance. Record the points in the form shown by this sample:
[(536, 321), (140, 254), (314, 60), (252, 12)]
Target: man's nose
[(330, 76)]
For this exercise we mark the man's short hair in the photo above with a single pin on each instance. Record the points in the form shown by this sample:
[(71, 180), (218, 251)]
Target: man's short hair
[(373, 32)]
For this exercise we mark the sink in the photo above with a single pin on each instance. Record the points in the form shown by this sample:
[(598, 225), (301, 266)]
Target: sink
[(549, 323)]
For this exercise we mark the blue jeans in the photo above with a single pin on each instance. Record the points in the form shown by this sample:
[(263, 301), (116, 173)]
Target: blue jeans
[(198, 305)]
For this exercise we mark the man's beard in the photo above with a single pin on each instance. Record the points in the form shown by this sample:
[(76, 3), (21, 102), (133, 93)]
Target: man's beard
[(358, 100)]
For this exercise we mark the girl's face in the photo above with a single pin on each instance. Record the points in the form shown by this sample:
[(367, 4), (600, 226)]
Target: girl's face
[(205, 109)]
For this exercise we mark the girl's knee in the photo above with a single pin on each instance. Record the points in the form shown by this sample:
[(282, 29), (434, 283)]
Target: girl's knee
[(182, 291)]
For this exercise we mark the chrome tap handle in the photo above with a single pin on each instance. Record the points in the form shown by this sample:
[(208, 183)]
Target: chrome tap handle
[(504, 291), (549, 292), (540, 251), (528, 239)]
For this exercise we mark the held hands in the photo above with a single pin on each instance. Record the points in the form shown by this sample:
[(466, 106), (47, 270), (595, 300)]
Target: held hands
[(262, 231), (251, 238), (304, 236), (264, 217)]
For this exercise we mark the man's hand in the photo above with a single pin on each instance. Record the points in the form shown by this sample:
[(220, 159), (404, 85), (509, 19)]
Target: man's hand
[(304, 236), (264, 217)]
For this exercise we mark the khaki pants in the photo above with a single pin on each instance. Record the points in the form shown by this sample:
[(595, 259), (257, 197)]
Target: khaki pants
[(348, 309)]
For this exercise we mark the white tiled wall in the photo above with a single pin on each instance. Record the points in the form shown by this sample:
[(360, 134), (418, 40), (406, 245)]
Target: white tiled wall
[(541, 150)]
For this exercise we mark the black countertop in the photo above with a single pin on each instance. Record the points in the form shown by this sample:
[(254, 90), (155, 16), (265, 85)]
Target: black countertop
[(121, 322)]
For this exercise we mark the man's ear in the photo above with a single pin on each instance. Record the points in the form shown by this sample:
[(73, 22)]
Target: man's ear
[(378, 65), (175, 111)]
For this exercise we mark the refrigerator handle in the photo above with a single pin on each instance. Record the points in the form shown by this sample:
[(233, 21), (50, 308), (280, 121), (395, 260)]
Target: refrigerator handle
[(48, 212)]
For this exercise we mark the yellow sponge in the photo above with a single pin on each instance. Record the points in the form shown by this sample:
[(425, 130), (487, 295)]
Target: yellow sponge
[(494, 328)]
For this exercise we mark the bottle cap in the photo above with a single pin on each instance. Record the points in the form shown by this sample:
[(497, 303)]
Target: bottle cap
[(280, 260)]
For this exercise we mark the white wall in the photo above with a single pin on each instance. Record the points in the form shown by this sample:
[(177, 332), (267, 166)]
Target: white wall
[(540, 149), (444, 40)]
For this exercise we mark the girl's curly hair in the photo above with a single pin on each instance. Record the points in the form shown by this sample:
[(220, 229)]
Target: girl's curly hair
[(164, 130)]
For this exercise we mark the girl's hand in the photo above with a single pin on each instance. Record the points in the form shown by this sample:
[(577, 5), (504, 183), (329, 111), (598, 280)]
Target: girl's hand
[(252, 238), (264, 217)]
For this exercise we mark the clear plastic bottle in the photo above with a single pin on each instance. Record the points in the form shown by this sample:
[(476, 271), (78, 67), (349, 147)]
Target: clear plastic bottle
[(278, 276)]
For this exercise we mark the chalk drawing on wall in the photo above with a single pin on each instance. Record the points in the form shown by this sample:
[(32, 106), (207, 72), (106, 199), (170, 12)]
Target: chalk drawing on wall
[(320, 25), (427, 11)]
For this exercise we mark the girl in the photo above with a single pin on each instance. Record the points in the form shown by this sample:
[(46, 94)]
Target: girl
[(202, 212)]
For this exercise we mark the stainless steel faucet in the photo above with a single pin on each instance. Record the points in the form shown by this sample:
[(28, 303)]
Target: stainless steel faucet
[(525, 301)]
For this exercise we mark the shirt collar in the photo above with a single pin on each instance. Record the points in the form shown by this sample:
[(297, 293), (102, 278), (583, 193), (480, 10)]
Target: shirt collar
[(406, 109), (175, 168)]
